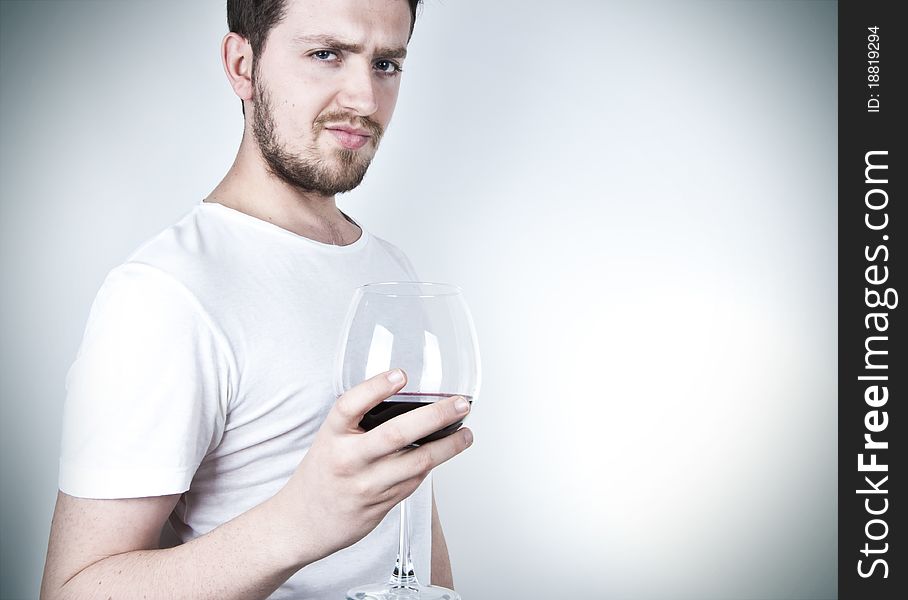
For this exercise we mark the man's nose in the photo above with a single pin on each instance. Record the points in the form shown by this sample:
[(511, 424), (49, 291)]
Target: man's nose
[(357, 91)]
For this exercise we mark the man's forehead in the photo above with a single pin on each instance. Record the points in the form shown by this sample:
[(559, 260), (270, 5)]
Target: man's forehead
[(366, 23)]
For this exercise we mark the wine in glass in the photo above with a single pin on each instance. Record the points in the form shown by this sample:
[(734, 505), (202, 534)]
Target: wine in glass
[(426, 330)]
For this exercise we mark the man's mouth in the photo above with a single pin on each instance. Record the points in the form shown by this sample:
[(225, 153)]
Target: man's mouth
[(349, 137)]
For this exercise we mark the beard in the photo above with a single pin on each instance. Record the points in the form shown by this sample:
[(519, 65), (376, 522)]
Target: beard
[(338, 172)]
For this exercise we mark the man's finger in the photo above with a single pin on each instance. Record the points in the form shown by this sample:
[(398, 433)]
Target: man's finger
[(414, 425), (405, 470), (419, 461), (349, 409)]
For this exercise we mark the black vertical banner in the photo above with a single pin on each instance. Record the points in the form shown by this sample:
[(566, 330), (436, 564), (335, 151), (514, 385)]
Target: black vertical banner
[(872, 373)]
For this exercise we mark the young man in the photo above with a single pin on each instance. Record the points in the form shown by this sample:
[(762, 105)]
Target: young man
[(202, 389)]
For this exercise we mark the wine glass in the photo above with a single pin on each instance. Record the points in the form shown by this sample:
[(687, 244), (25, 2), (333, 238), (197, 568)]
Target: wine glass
[(426, 330)]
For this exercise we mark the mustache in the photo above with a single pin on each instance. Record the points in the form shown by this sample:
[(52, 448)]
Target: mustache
[(355, 121)]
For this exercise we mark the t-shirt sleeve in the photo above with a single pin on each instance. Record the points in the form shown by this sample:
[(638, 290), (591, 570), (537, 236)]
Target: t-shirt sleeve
[(146, 397)]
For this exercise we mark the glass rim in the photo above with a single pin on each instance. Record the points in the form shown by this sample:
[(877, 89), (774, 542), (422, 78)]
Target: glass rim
[(417, 289)]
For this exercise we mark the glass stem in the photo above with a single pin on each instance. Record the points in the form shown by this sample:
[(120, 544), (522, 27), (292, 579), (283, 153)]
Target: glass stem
[(404, 575)]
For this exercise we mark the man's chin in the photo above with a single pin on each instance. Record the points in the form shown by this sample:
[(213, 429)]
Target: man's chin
[(349, 185), (333, 172), (348, 171), (332, 185)]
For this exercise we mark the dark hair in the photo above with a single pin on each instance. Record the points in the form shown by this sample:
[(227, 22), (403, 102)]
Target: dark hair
[(253, 19)]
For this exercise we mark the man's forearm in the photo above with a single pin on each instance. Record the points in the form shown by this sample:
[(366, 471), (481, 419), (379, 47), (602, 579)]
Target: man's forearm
[(246, 558), (441, 561)]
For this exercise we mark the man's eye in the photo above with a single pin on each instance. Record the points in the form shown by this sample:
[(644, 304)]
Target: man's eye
[(323, 55), (388, 66)]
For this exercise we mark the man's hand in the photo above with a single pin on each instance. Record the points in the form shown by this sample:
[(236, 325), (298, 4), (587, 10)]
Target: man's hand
[(341, 490), (350, 479)]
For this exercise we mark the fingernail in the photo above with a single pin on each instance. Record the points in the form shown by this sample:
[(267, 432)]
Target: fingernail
[(461, 405), (396, 376), (468, 436)]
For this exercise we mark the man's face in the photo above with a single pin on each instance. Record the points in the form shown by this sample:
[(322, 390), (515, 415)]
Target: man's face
[(325, 87)]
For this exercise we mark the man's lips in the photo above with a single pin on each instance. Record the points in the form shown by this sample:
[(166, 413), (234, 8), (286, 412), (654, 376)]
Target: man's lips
[(349, 137)]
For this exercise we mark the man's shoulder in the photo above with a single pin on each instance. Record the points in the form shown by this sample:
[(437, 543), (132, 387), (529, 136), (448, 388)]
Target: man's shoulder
[(190, 239), (190, 254), (398, 255)]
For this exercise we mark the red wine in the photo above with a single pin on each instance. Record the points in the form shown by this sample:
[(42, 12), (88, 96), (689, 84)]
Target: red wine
[(404, 402)]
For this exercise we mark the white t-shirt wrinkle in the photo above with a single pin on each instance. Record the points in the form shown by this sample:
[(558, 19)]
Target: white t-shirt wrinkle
[(205, 370)]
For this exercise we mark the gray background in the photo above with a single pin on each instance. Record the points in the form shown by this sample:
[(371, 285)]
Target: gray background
[(637, 197)]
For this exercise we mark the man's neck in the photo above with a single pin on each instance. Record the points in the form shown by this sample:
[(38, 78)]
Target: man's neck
[(250, 188)]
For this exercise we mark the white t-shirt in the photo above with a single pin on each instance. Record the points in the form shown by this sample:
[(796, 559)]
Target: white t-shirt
[(206, 370)]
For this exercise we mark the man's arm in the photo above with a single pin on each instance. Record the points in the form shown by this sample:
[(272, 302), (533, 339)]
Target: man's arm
[(345, 485), (441, 560), (108, 549)]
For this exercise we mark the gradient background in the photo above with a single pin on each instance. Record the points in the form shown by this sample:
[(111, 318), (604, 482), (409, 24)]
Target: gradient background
[(639, 200)]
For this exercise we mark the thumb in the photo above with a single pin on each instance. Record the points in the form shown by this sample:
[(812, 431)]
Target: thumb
[(349, 409)]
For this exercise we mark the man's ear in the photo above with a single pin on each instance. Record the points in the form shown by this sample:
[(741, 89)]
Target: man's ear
[(236, 55)]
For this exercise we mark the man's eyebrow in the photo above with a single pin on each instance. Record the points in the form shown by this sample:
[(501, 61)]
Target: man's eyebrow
[(332, 42)]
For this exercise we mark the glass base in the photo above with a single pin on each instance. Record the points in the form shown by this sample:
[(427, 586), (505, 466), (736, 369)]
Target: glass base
[(384, 591)]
